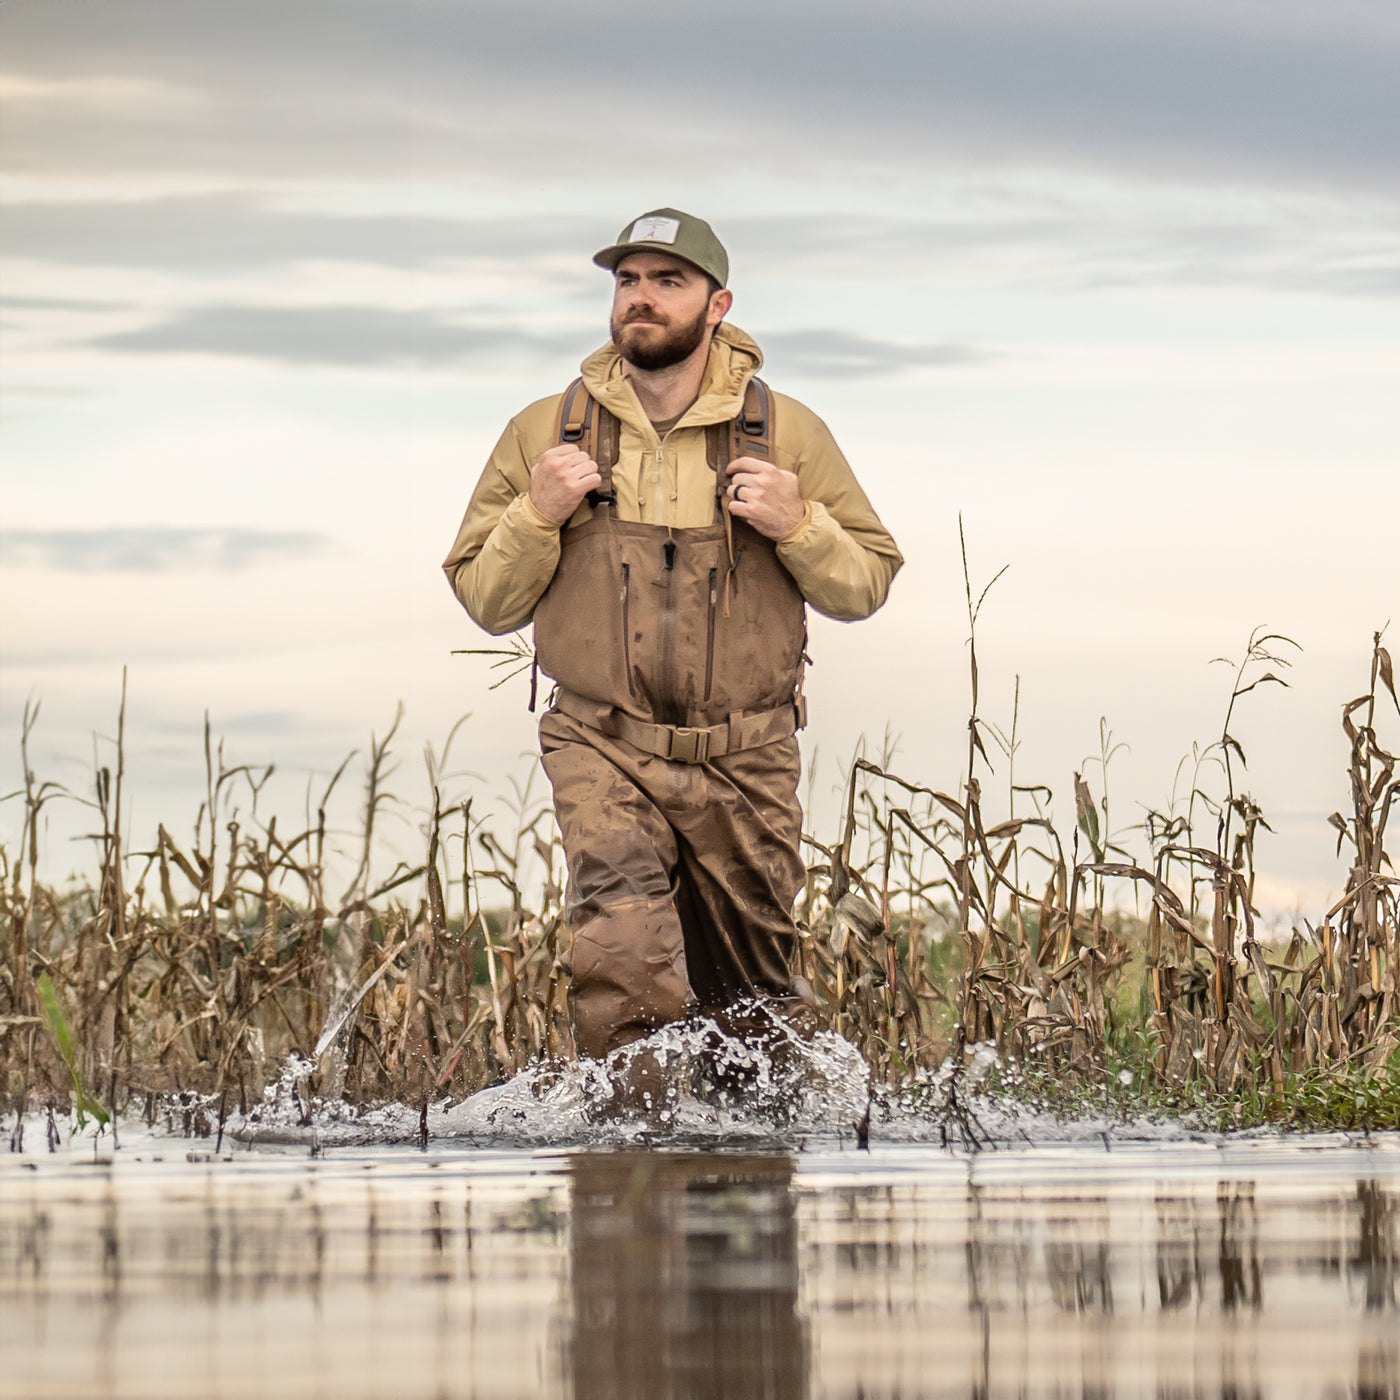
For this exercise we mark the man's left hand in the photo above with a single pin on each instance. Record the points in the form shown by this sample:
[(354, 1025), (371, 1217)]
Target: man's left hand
[(766, 496)]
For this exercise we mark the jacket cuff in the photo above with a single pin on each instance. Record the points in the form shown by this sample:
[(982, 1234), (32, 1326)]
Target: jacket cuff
[(535, 515), (801, 527)]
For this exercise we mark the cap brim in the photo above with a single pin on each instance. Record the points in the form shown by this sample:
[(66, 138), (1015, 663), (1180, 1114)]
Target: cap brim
[(610, 257)]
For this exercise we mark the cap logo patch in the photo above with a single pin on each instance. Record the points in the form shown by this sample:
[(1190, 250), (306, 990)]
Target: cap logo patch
[(654, 230)]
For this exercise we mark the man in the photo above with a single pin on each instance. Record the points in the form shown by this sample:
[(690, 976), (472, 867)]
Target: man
[(664, 523)]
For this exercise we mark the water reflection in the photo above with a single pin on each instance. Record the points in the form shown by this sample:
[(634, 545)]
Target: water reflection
[(278, 1279), (1003, 1287), (684, 1278), (656, 1274), (1376, 1255)]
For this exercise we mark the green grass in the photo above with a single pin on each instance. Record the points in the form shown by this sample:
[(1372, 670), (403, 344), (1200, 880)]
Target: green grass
[(1313, 1100)]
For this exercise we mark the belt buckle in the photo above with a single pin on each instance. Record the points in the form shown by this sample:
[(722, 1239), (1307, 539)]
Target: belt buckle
[(689, 745)]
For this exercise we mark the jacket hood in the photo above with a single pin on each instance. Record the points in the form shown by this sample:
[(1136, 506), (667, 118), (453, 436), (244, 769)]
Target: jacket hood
[(734, 360)]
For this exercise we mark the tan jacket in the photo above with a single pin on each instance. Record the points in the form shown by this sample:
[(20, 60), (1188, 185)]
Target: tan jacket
[(841, 557)]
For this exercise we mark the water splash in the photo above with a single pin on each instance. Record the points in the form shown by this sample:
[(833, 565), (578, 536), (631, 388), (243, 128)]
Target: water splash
[(692, 1082), (689, 1083), (698, 1084)]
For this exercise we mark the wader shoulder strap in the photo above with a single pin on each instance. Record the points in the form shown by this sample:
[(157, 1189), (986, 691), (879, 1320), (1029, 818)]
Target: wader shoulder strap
[(587, 425), (752, 430), (748, 435)]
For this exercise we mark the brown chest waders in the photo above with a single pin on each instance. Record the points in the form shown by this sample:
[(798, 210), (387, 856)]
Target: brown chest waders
[(670, 746)]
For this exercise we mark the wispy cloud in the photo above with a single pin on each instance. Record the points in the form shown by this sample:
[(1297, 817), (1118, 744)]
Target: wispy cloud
[(263, 723), (44, 391), (349, 336), (238, 231), (154, 549), (837, 354), (208, 236), (386, 87), (366, 337), (13, 303), (1071, 248)]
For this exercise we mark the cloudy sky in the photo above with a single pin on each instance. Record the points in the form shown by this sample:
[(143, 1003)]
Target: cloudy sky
[(1119, 281)]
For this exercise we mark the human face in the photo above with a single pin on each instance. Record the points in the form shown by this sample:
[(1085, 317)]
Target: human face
[(663, 311)]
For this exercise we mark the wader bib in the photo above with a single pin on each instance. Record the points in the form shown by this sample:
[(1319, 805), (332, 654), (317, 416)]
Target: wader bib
[(670, 746)]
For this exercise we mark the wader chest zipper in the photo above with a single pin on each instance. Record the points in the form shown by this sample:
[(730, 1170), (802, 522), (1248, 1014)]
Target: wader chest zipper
[(669, 550), (710, 636), (626, 601)]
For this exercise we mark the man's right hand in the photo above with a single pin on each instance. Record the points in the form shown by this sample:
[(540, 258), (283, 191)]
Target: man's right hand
[(560, 480)]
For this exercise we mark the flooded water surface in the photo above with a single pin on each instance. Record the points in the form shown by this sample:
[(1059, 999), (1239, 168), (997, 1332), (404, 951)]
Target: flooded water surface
[(1101, 1267)]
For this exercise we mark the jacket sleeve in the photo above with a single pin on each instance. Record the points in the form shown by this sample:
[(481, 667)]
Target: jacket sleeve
[(506, 551), (841, 556)]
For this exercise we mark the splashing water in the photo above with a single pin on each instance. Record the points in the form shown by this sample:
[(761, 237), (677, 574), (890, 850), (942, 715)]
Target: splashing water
[(697, 1084), (691, 1082)]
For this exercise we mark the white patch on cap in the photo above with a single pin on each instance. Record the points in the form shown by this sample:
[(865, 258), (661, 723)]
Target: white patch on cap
[(654, 230)]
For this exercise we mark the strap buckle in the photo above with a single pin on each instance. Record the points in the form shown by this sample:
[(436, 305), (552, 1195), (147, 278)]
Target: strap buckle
[(689, 745), (574, 422)]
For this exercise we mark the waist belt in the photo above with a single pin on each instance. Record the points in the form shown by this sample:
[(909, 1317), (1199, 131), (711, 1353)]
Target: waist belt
[(681, 743)]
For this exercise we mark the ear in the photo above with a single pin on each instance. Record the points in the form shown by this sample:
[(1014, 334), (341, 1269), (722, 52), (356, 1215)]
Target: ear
[(720, 303)]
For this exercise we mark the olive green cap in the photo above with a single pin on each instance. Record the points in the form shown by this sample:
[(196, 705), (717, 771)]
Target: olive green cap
[(670, 231)]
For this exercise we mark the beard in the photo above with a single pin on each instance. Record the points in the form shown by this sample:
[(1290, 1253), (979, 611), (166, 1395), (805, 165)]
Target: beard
[(677, 343)]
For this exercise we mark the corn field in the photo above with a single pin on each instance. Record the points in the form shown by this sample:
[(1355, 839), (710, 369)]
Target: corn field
[(1038, 969), (197, 965)]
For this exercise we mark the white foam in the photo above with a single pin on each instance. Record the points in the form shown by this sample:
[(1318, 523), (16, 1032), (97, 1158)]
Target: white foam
[(690, 1084)]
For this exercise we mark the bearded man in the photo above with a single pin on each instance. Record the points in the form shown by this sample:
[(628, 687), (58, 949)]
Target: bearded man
[(665, 523)]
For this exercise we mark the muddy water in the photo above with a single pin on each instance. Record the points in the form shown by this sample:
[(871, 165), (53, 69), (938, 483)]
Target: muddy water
[(1101, 1267)]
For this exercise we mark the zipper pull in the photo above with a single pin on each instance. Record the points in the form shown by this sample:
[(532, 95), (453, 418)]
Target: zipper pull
[(669, 550)]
